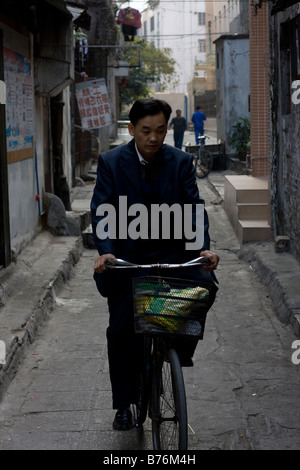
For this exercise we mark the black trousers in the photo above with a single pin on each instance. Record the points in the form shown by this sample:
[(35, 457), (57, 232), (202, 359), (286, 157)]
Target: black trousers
[(125, 348)]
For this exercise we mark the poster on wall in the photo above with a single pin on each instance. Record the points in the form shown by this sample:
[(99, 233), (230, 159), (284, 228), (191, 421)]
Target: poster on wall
[(19, 102), (93, 104)]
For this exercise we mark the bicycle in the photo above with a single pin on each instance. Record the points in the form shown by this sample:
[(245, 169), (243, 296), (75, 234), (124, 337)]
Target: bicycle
[(165, 310), (203, 158)]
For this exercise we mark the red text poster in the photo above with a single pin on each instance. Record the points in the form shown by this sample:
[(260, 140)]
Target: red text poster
[(93, 104)]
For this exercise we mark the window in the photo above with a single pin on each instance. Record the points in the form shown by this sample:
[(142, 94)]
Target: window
[(201, 18), (152, 23), (201, 45)]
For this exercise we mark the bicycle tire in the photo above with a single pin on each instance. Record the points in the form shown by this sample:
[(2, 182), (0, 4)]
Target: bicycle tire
[(204, 163), (169, 411), (143, 384), (142, 400)]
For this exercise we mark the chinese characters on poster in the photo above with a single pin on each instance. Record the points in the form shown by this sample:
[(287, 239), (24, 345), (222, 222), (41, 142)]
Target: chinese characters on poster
[(19, 101), (93, 104)]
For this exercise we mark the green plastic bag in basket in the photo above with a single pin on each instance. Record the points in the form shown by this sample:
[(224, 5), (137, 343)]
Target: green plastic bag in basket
[(169, 312)]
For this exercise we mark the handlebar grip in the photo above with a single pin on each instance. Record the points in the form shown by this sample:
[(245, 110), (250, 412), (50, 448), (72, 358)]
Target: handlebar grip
[(109, 262), (112, 262), (203, 260)]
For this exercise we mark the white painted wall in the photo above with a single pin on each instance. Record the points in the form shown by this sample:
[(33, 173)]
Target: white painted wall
[(23, 207), (176, 27)]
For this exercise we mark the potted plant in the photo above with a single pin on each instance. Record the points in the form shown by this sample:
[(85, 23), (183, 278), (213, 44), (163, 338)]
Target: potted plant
[(240, 137)]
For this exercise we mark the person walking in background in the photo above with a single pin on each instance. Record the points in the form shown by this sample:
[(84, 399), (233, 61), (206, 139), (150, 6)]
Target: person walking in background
[(198, 119), (179, 125)]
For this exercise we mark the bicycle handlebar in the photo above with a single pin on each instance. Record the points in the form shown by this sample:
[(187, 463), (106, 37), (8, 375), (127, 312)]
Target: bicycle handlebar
[(120, 263), (201, 137)]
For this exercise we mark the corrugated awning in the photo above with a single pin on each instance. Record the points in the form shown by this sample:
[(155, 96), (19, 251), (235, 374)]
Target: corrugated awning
[(80, 16), (75, 11)]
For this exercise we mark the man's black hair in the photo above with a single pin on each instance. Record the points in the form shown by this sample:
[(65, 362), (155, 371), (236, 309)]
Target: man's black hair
[(149, 107)]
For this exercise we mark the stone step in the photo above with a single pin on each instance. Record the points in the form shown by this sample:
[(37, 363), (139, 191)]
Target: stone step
[(246, 203), (252, 195), (252, 211), (246, 189), (253, 230)]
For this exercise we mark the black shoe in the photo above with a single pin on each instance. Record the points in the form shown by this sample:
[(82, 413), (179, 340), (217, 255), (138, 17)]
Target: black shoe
[(123, 420)]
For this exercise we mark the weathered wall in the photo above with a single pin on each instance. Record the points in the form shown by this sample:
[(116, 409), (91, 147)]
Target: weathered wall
[(232, 74), (175, 100), (29, 51), (240, 24), (285, 161), (103, 31), (23, 210)]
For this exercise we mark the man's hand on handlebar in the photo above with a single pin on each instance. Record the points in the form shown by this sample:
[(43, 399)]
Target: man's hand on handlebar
[(213, 258), (99, 265)]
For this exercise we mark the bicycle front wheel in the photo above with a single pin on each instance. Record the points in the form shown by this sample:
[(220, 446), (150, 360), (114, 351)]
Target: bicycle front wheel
[(169, 412), (204, 163)]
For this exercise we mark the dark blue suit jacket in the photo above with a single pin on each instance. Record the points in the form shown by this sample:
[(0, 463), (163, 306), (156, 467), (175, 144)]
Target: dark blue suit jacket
[(118, 174)]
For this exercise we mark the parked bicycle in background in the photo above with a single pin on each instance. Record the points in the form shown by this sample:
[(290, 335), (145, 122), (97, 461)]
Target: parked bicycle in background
[(203, 158)]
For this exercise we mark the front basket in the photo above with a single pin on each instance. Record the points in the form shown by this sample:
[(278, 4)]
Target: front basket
[(170, 306)]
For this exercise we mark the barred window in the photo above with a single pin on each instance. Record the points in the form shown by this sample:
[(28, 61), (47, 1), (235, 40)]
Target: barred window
[(202, 45), (152, 23), (201, 18)]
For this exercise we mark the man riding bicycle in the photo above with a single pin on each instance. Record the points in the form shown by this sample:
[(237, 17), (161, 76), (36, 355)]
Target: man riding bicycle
[(130, 180)]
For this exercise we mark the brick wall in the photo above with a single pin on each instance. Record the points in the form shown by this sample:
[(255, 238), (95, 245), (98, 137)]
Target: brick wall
[(259, 89)]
